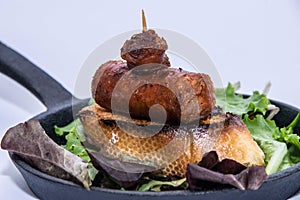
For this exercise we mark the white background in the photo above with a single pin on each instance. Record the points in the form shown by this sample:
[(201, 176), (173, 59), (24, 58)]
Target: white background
[(254, 41)]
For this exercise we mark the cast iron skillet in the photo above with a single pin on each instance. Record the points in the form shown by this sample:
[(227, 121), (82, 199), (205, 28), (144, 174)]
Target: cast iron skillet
[(59, 112)]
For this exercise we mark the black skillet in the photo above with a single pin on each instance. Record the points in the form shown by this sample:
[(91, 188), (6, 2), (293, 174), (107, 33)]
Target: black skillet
[(60, 106)]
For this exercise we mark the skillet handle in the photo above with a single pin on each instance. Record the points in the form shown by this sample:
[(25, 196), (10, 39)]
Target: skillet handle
[(38, 82)]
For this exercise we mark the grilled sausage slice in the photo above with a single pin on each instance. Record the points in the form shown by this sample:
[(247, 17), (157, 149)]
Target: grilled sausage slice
[(184, 96)]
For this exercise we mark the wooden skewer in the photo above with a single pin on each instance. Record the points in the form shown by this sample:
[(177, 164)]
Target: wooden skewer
[(144, 21)]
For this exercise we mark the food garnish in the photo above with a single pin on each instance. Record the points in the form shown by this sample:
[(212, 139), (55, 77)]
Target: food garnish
[(29, 141), (281, 146), (211, 171)]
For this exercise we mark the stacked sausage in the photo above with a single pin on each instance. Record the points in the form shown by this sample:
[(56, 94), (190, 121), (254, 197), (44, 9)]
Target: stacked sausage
[(144, 80), (185, 96)]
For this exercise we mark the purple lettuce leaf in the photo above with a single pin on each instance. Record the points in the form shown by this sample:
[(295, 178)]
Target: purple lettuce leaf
[(211, 173), (124, 177), (30, 142)]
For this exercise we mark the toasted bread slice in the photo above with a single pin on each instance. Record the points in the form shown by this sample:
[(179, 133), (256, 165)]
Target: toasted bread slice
[(172, 148)]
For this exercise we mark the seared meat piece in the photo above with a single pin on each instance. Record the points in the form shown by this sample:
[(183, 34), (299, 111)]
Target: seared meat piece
[(232, 141), (144, 48), (185, 96)]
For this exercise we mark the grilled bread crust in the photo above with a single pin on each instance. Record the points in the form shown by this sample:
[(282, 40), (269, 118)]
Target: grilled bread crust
[(224, 133)]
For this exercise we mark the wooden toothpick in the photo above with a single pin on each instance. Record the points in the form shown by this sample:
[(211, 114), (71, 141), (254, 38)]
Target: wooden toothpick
[(144, 21)]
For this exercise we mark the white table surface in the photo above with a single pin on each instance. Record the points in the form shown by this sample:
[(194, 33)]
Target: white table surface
[(254, 41)]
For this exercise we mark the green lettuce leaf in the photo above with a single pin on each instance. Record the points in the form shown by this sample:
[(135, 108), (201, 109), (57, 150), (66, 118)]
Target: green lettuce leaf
[(61, 131), (286, 134), (286, 162), (154, 185), (73, 133), (281, 146), (229, 101)]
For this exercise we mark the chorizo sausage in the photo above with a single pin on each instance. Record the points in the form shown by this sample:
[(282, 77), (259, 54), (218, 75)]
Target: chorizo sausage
[(185, 96)]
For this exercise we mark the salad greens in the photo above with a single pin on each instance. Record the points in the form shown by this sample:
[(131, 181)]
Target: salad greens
[(229, 101), (281, 146), (214, 171), (73, 133), (262, 131), (286, 134), (154, 185), (30, 141)]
